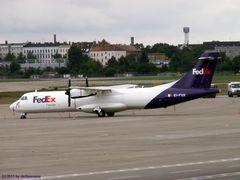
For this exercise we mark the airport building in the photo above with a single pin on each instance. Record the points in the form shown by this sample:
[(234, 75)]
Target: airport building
[(12, 48), (230, 51), (103, 53), (158, 59), (230, 48), (44, 53)]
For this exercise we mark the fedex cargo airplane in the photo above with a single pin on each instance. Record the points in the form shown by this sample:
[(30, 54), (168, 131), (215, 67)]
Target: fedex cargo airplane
[(107, 100)]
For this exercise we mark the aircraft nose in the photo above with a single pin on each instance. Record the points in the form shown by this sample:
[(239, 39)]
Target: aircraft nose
[(12, 106)]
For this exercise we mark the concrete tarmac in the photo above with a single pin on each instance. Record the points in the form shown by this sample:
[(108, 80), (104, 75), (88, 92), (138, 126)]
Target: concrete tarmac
[(200, 140)]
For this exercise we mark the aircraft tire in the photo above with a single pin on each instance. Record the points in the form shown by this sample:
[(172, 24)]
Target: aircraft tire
[(22, 117), (101, 113), (110, 114)]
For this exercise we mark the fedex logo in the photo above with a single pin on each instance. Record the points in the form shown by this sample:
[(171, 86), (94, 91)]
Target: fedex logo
[(203, 71), (46, 99)]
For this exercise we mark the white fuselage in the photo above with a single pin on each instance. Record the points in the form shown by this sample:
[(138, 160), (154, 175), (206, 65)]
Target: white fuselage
[(117, 100)]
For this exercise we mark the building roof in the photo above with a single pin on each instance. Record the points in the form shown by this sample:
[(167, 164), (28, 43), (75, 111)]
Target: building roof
[(85, 46), (115, 47), (13, 44), (44, 44), (223, 43)]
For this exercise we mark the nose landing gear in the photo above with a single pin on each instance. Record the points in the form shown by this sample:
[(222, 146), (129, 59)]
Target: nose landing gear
[(23, 116)]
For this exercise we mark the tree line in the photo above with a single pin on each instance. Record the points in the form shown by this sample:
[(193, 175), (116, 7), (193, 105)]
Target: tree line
[(181, 60)]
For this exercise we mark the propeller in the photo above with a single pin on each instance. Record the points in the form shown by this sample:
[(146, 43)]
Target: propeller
[(69, 93)]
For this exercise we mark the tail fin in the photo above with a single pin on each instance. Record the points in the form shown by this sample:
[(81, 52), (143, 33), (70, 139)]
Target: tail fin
[(202, 73)]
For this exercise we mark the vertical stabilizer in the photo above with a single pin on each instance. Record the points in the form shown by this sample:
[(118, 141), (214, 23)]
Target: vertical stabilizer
[(202, 73)]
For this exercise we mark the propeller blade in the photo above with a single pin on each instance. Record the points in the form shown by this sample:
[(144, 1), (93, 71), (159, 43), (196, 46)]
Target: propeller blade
[(68, 92), (69, 100)]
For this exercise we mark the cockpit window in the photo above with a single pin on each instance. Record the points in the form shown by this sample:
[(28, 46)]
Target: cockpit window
[(23, 98)]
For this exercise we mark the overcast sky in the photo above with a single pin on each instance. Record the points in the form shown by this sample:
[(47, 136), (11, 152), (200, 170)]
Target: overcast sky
[(149, 21)]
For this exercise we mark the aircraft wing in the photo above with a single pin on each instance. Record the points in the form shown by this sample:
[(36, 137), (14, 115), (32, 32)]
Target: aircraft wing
[(124, 86), (93, 90), (105, 88), (101, 90)]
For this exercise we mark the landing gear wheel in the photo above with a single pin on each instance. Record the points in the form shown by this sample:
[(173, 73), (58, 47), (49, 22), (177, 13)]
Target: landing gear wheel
[(101, 113), (23, 116), (110, 114)]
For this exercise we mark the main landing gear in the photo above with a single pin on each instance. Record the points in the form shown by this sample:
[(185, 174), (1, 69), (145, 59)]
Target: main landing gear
[(102, 113), (23, 116)]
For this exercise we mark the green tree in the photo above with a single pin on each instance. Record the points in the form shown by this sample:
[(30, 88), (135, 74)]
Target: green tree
[(103, 42), (30, 55), (109, 71), (58, 58), (112, 62), (14, 67), (4, 70), (62, 70), (143, 66), (112, 67), (146, 68), (236, 64), (182, 61), (225, 64), (75, 59), (143, 58), (32, 71), (167, 49), (92, 68), (130, 64), (127, 64), (139, 46), (10, 57), (21, 58)]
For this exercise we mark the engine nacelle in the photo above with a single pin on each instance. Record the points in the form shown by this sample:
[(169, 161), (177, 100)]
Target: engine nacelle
[(78, 93)]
